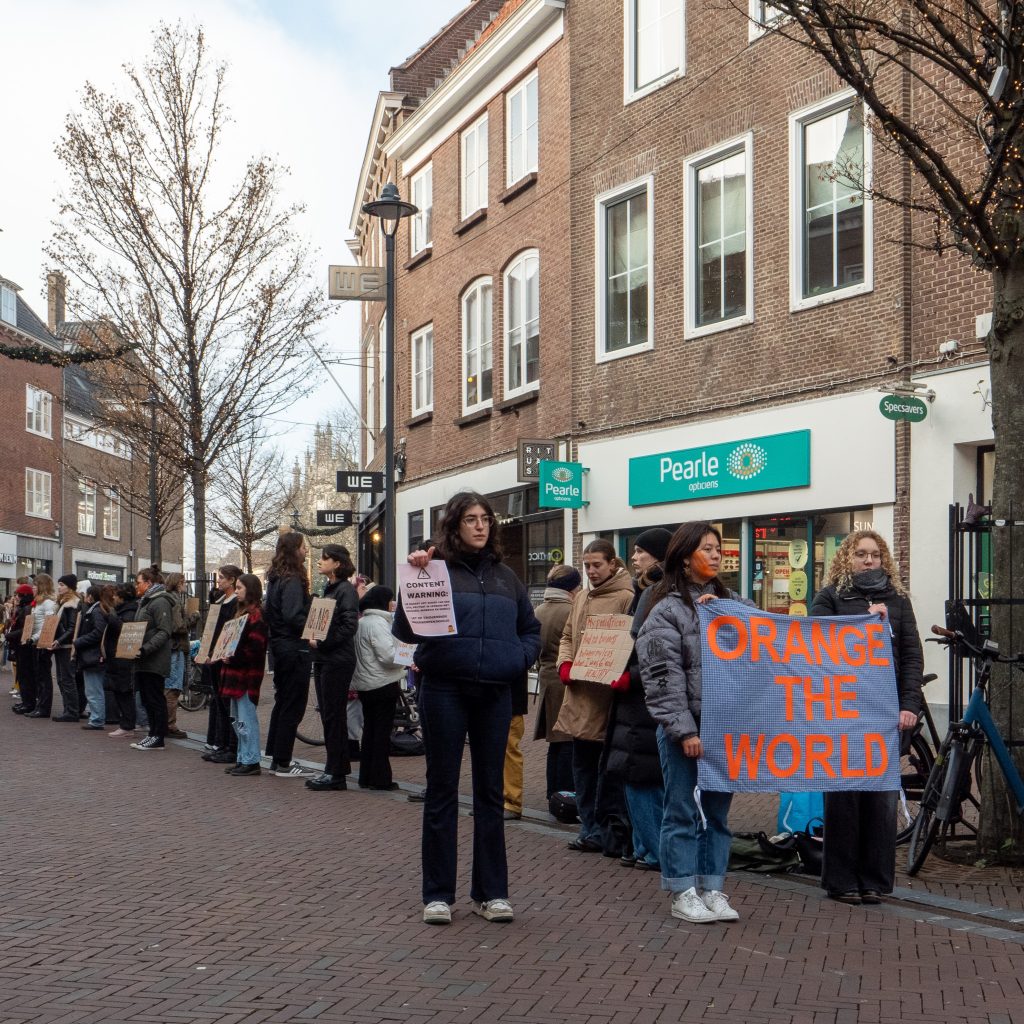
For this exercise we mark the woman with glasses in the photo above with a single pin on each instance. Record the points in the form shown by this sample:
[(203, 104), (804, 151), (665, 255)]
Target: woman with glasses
[(860, 827), (465, 689)]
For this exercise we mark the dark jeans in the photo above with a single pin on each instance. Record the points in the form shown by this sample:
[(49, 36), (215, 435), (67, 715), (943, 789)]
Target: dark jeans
[(124, 702), (291, 692), (27, 676), (452, 710), (559, 768), (66, 682), (860, 842), (332, 683), (44, 681), (378, 721), (151, 691), (586, 760)]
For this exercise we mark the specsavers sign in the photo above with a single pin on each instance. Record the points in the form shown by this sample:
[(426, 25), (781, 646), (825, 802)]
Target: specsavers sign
[(772, 463)]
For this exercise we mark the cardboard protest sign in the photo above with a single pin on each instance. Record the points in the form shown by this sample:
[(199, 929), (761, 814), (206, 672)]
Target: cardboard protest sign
[(318, 621), (49, 632), (796, 704), (404, 653), (129, 643), (26, 629), (604, 649), (426, 596), (191, 606), (227, 642), (206, 640)]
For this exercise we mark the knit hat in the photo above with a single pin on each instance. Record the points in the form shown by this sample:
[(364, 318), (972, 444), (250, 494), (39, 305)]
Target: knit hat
[(24, 590), (70, 581), (654, 541), (569, 582)]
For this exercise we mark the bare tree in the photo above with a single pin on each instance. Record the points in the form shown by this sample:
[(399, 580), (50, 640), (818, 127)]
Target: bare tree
[(206, 280), (251, 495), (944, 80)]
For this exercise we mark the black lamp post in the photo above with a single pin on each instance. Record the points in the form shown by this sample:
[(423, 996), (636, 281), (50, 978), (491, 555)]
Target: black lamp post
[(390, 208)]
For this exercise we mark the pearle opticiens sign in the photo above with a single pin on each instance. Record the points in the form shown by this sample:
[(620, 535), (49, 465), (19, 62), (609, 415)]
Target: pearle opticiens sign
[(772, 463)]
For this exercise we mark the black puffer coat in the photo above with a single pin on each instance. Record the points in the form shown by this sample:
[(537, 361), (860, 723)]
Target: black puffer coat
[(631, 743), (906, 642)]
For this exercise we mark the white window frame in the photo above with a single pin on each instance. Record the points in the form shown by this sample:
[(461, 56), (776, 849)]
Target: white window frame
[(519, 260), (8, 305), (421, 230), (38, 483), (38, 411), (111, 514), (530, 161), (86, 489), (601, 204), (691, 170), (469, 204), (631, 91), (760, 21), (797, 121), (421, 359), (476, 287)]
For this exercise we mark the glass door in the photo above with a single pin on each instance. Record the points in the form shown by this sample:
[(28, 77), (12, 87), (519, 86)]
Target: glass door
[(782, 548)]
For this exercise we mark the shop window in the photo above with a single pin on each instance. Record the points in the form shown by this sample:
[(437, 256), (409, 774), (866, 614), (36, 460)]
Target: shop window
[(831, 215)]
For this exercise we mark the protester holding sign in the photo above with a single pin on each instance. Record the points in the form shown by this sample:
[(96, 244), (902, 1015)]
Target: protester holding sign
[(153, 662), (465, 688), (40, 659), (119, 670), (96, 619), (334, 661), (23, 597), (694, 856), (584, 712), (221, 739), (67, 625), (242, 674), (860, 827)]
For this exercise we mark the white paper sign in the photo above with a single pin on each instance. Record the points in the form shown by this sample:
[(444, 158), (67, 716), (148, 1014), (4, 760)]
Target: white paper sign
[(427, 598), (404, 653)]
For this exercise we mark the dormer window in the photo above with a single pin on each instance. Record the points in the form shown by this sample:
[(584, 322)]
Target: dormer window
[(8, 305)]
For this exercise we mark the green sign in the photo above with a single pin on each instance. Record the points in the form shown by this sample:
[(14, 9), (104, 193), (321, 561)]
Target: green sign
[(752, 464), (903, 407), (561, 484)]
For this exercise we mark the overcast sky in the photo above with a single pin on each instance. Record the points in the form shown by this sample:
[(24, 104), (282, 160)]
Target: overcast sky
[(302, 81)]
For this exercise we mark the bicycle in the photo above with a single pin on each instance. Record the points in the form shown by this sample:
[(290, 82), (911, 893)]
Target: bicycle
[(196, 694), (915, 767), (949, 784)]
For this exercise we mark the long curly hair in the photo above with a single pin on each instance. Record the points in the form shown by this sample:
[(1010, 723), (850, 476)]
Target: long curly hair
[(448, 542), (288, 561), (841, 571)]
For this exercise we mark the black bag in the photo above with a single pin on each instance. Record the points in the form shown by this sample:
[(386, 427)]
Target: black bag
[(562, 806), (754, 851), (406, 743)]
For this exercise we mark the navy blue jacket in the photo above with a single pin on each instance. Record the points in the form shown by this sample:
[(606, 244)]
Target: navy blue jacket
[(498, 635)]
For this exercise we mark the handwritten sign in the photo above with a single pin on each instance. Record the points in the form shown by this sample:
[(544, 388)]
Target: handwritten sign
[(49, 632), (129, 643), (318, 622), (404, 653), (604, 649), (426, 596), (191, 606), (26, 629), (796, 704), (230, 635), (206, 640)]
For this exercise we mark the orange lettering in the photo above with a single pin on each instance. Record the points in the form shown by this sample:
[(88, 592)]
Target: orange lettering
[(762, 634), (857, 656), (743, 757), (829, 645), (819, 757), (741, 637), (773, 765), (824, 698), (844, 695), (795, 643), (873, 739), (876, 643), (790, 683), (847, 770)]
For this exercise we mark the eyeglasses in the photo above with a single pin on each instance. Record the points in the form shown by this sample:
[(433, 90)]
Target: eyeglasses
[(867, 556), (473, 520)]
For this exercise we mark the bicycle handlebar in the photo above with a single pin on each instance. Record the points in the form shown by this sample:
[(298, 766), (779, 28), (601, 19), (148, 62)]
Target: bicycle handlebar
[(987, 649)]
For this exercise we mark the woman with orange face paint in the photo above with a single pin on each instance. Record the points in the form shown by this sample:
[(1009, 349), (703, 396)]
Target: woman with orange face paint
[(695, 836)]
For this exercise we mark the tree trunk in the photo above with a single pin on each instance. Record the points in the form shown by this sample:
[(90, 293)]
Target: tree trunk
[(198, 476), (1001, 828)]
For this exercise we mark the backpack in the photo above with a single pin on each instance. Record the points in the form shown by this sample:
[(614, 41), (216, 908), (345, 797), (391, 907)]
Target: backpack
[(562, 806), (754, 851)]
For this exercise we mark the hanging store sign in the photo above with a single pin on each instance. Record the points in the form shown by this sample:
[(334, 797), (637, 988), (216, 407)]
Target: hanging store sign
[(359, 284), (335, 517), (903, 407), (772, 463), (359, 483), (530, 455), (561, 485)]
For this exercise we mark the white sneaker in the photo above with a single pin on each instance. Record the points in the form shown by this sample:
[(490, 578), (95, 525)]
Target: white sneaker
[(437, 913), (494, 910), (690, 907), (718, 903)]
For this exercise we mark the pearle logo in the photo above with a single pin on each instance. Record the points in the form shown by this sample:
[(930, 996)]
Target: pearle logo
[(746, 460), (562, 475)]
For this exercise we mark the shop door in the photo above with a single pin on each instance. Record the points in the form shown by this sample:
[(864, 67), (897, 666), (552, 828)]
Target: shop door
[(781, 575)]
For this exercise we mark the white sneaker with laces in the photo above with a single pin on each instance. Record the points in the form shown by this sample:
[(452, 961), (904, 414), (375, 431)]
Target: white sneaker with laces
[(437, 912), (494, 910), (294, 771), (690, 907), (718, 903)]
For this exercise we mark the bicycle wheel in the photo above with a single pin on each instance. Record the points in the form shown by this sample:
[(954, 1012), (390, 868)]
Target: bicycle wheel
[(311, 728), (194, 697), (915, 767), (929, 824)]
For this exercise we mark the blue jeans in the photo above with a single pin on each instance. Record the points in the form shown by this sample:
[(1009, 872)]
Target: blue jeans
[(450, 710), (645, 805), (94, 695), (176, 680), (586, 760), (247, 726), (693, 854)]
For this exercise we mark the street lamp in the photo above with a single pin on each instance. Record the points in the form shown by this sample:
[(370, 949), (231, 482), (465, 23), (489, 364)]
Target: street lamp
[(390, 208)]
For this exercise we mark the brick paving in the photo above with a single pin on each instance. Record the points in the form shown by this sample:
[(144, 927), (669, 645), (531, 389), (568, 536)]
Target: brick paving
[(151, 887)]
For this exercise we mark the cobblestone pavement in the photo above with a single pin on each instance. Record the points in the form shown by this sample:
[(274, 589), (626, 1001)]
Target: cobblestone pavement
[(151, 887)]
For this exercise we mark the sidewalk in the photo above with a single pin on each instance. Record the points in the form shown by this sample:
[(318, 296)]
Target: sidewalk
[(151, 887)]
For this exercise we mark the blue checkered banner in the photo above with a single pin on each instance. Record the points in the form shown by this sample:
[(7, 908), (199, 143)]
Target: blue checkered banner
[(796, 704)]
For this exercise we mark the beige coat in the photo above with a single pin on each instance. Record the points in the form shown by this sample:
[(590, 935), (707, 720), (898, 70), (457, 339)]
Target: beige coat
[(552, 615), (584, 712)]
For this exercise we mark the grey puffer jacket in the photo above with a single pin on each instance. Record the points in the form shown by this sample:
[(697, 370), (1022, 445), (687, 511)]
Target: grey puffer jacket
[(668, 651)]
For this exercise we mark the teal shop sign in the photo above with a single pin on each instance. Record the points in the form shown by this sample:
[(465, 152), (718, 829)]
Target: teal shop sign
[(903, 407), (561, 484), (752, 464)]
